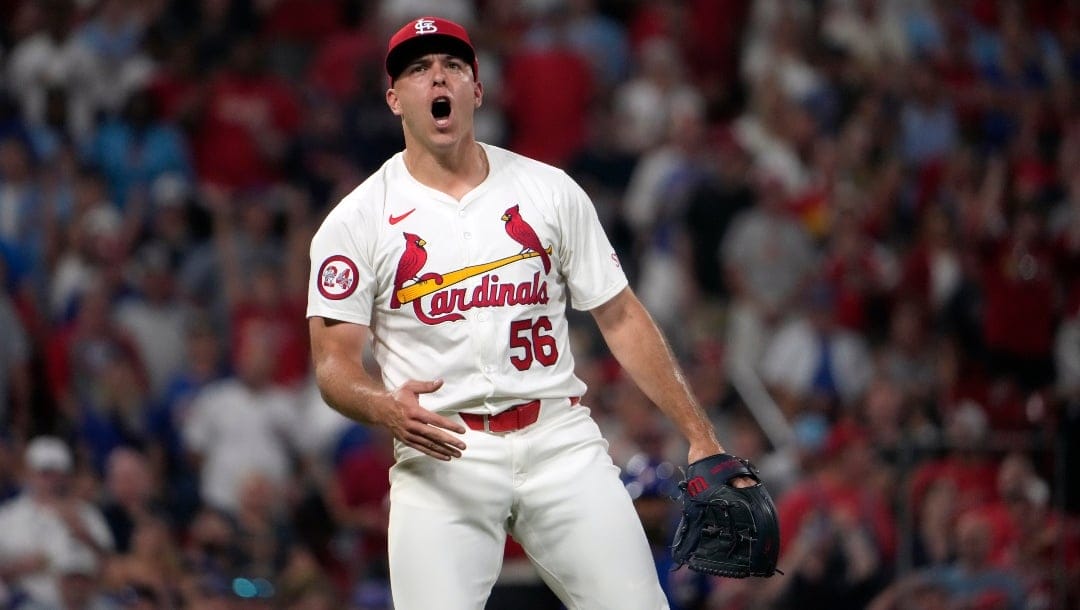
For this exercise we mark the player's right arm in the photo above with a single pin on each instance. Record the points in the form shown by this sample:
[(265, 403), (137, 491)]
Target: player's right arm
[(345, 385)]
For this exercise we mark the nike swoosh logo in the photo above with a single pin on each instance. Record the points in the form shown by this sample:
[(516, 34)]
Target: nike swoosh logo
[(396, 219)]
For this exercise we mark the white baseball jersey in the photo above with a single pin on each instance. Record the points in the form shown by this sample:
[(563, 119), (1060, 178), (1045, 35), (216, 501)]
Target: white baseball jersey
[(471, 291)]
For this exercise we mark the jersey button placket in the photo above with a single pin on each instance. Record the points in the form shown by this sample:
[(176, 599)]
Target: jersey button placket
[(464, 228)]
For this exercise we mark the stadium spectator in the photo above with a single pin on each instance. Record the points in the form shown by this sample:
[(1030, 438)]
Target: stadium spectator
[(840, 537), (264, 278), (248, 118), (135, 148), (971, 579), (47, 525), (150, 569), (966, 465), (115, 33), (547, 123), (767, 258), (240, 426), (813, 362), (116, 412), (646, 103), (80, 586), (54, 58), (80, 352), (130, 494), (711, 207), (153, 317), (656, 197), (20, 200)]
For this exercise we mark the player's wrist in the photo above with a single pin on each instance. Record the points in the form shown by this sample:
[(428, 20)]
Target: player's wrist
[(703, 449)]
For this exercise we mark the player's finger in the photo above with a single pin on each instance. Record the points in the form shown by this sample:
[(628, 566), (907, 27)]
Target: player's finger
[(417, 386), (434, 419), (432, 447), (740, 482), (422, 428)]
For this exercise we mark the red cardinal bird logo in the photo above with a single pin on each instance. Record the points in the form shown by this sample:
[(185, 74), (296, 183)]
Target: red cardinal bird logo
[(521, 232), (412, 261)]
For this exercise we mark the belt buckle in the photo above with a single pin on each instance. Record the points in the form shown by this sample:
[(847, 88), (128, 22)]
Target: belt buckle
[(487, 423)]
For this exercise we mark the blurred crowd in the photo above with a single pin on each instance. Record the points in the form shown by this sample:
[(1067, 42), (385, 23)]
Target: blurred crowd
[(858, 221)]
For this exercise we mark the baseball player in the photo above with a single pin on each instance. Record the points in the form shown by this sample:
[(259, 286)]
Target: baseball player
[(458, 259)]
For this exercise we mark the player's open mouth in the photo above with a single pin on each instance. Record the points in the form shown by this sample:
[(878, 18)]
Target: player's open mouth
[(440, 109)]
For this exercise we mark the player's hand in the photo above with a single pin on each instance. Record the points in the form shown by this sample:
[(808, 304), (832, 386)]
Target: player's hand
[(421, 429), (703, 450)]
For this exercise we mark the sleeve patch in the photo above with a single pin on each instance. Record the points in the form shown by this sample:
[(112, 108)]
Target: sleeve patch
[(337, 278)]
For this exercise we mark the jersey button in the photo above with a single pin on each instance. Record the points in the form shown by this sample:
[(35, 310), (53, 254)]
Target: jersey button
[(488, 368), (482, 316), (467, 235)]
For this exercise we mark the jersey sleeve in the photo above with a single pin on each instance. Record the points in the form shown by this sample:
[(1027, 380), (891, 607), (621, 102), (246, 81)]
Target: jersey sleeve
[(342, 284), (592, 269)]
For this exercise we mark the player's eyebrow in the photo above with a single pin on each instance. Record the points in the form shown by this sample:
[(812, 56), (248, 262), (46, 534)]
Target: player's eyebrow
[(427, 60)]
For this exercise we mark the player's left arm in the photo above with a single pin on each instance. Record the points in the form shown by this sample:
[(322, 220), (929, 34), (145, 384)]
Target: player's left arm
[(637, 343)]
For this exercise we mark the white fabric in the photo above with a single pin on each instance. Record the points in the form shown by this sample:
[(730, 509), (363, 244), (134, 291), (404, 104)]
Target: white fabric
[(159, 335), (239, 432), (27, 527), (772, 251), (472, 354), (794, 356), (38, 63), (561, 498)]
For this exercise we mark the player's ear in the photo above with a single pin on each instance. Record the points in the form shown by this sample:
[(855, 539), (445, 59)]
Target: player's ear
[(478, 93), (393, 101)]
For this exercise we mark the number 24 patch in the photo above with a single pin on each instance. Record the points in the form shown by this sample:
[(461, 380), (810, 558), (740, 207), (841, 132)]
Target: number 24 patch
[(337, 277)]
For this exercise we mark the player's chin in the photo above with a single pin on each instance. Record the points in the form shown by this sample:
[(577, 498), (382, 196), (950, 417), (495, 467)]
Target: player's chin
[(449, 125), (446, 134)]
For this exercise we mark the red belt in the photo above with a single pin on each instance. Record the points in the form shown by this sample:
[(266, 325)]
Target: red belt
[(514, 418)]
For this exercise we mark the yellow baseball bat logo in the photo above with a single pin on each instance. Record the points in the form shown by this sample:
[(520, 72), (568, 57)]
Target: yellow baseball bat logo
[(423, 288)]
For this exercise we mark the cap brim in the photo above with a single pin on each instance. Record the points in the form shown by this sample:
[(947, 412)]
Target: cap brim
[(402, 54)]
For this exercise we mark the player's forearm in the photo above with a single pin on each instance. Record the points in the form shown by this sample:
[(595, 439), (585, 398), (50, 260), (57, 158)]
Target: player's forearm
[(347, 387), (636, 342)]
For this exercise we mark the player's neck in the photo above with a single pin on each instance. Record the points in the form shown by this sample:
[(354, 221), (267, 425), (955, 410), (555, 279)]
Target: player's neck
[(455, 171)]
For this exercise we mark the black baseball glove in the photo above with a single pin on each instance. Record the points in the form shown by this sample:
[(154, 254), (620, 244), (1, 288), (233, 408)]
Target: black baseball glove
[(726, 531)]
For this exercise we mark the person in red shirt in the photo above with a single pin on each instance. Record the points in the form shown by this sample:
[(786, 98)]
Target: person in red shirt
[(839, 535), (339, 57), (247, 121), (966, 467), (264, 278), (1018, 270), (548, 123)]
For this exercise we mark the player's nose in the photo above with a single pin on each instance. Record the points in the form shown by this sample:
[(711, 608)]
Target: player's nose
[(438, 73)]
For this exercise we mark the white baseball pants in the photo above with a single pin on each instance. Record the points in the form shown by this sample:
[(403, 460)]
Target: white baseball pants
[(553, 486)]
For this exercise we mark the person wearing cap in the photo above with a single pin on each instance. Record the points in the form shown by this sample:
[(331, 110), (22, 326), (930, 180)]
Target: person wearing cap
[(458, 260), (46, 526)]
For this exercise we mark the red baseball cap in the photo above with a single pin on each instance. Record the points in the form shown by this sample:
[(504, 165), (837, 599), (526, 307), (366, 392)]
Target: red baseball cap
[(428, 35)]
